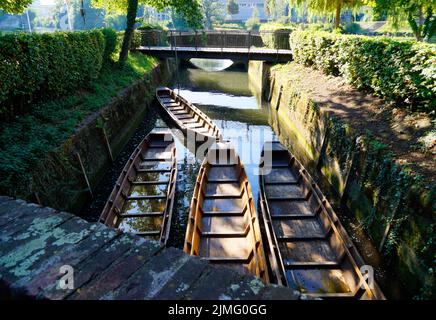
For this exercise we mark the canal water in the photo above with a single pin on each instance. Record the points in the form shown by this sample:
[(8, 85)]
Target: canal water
[(231, 101), (235, 107)]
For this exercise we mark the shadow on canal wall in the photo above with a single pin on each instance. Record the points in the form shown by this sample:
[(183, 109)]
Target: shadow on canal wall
[(60, 181), (382, 201)]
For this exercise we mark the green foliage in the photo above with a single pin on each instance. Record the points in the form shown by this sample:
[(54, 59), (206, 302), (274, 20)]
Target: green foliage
[(111, 39), (232, 7), (418, 13), (150, 26), (213, 12), (275, 35), (400, 71), (132, 10), (27, 141), (277, 26), (14, 6), (253, 23), (229, 26), (352, 28), (327, 7), (34, 67), (276, 9), (188, 9), (428, 291)]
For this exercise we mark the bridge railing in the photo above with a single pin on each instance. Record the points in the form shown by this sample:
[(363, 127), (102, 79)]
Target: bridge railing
[(278, 39)]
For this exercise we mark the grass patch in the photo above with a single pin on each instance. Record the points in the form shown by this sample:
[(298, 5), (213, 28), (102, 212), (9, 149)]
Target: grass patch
[(27, 140)]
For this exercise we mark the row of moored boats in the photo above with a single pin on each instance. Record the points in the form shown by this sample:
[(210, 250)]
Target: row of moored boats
[(302, 243)]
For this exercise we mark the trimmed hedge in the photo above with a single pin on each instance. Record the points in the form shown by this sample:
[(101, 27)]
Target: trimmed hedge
[(276, 35), (111, 39), (401, 71), (35, 67)]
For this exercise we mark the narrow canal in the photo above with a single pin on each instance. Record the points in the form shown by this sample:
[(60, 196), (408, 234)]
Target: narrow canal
[(234, 104)]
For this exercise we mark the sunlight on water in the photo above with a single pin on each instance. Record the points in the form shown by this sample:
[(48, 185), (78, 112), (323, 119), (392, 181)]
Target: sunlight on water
[(211, 64), (219, 99)]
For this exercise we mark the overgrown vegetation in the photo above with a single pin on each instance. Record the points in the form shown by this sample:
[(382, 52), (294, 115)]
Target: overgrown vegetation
[(253, 23), (398, 70), (275, 35), (27, 141)]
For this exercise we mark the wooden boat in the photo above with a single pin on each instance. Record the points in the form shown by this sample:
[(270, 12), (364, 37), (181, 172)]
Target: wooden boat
[(308, 248), (191, 120), (143, 197), (223, 226)]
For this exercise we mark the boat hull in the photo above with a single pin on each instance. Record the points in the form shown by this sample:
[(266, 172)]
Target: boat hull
[(143, 197), (307, 247), (194, 123), (223, 226)]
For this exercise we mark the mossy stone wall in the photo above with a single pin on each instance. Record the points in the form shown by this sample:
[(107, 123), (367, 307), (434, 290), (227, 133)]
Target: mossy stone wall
[(59, 181)]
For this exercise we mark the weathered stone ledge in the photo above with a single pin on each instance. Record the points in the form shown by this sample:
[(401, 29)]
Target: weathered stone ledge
[(35, 242)]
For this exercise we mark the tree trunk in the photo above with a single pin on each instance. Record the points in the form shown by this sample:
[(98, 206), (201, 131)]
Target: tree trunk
[(338, 15), (131, 18), (417, 27)]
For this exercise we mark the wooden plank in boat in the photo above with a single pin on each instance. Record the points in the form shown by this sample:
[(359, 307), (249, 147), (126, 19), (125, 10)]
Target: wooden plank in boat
[(228, 248), (142, 200), (320, 281), (310, 251), (223, 226), (184, 116), (194, 125), (141, 205), (185, 113), (188, 120), (224, 205), (153, 176), (287, 207), (222, 174), (285, 191), (281, 175), (308, 248), (223, 189), (298, 228)]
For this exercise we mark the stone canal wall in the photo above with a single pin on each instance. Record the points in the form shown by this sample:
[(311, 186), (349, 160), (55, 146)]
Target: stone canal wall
[(41, 245), (388, 200), (59, 181)]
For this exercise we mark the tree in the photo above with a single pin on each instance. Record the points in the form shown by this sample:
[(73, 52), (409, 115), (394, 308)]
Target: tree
[(213, 12), (275, 9), (132, 9), (253, 23), (328, 7), (232, 7), (188, 9), (14, 6), (418, 13)]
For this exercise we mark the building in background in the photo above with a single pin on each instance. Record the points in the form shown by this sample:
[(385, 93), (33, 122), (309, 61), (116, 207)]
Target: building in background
[(151, 15), (20, 22), (246, 8)]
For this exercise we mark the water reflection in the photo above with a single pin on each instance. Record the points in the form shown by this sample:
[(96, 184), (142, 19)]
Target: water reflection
[(211, 64), (230, 82), (219, 99), (227, 99)]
